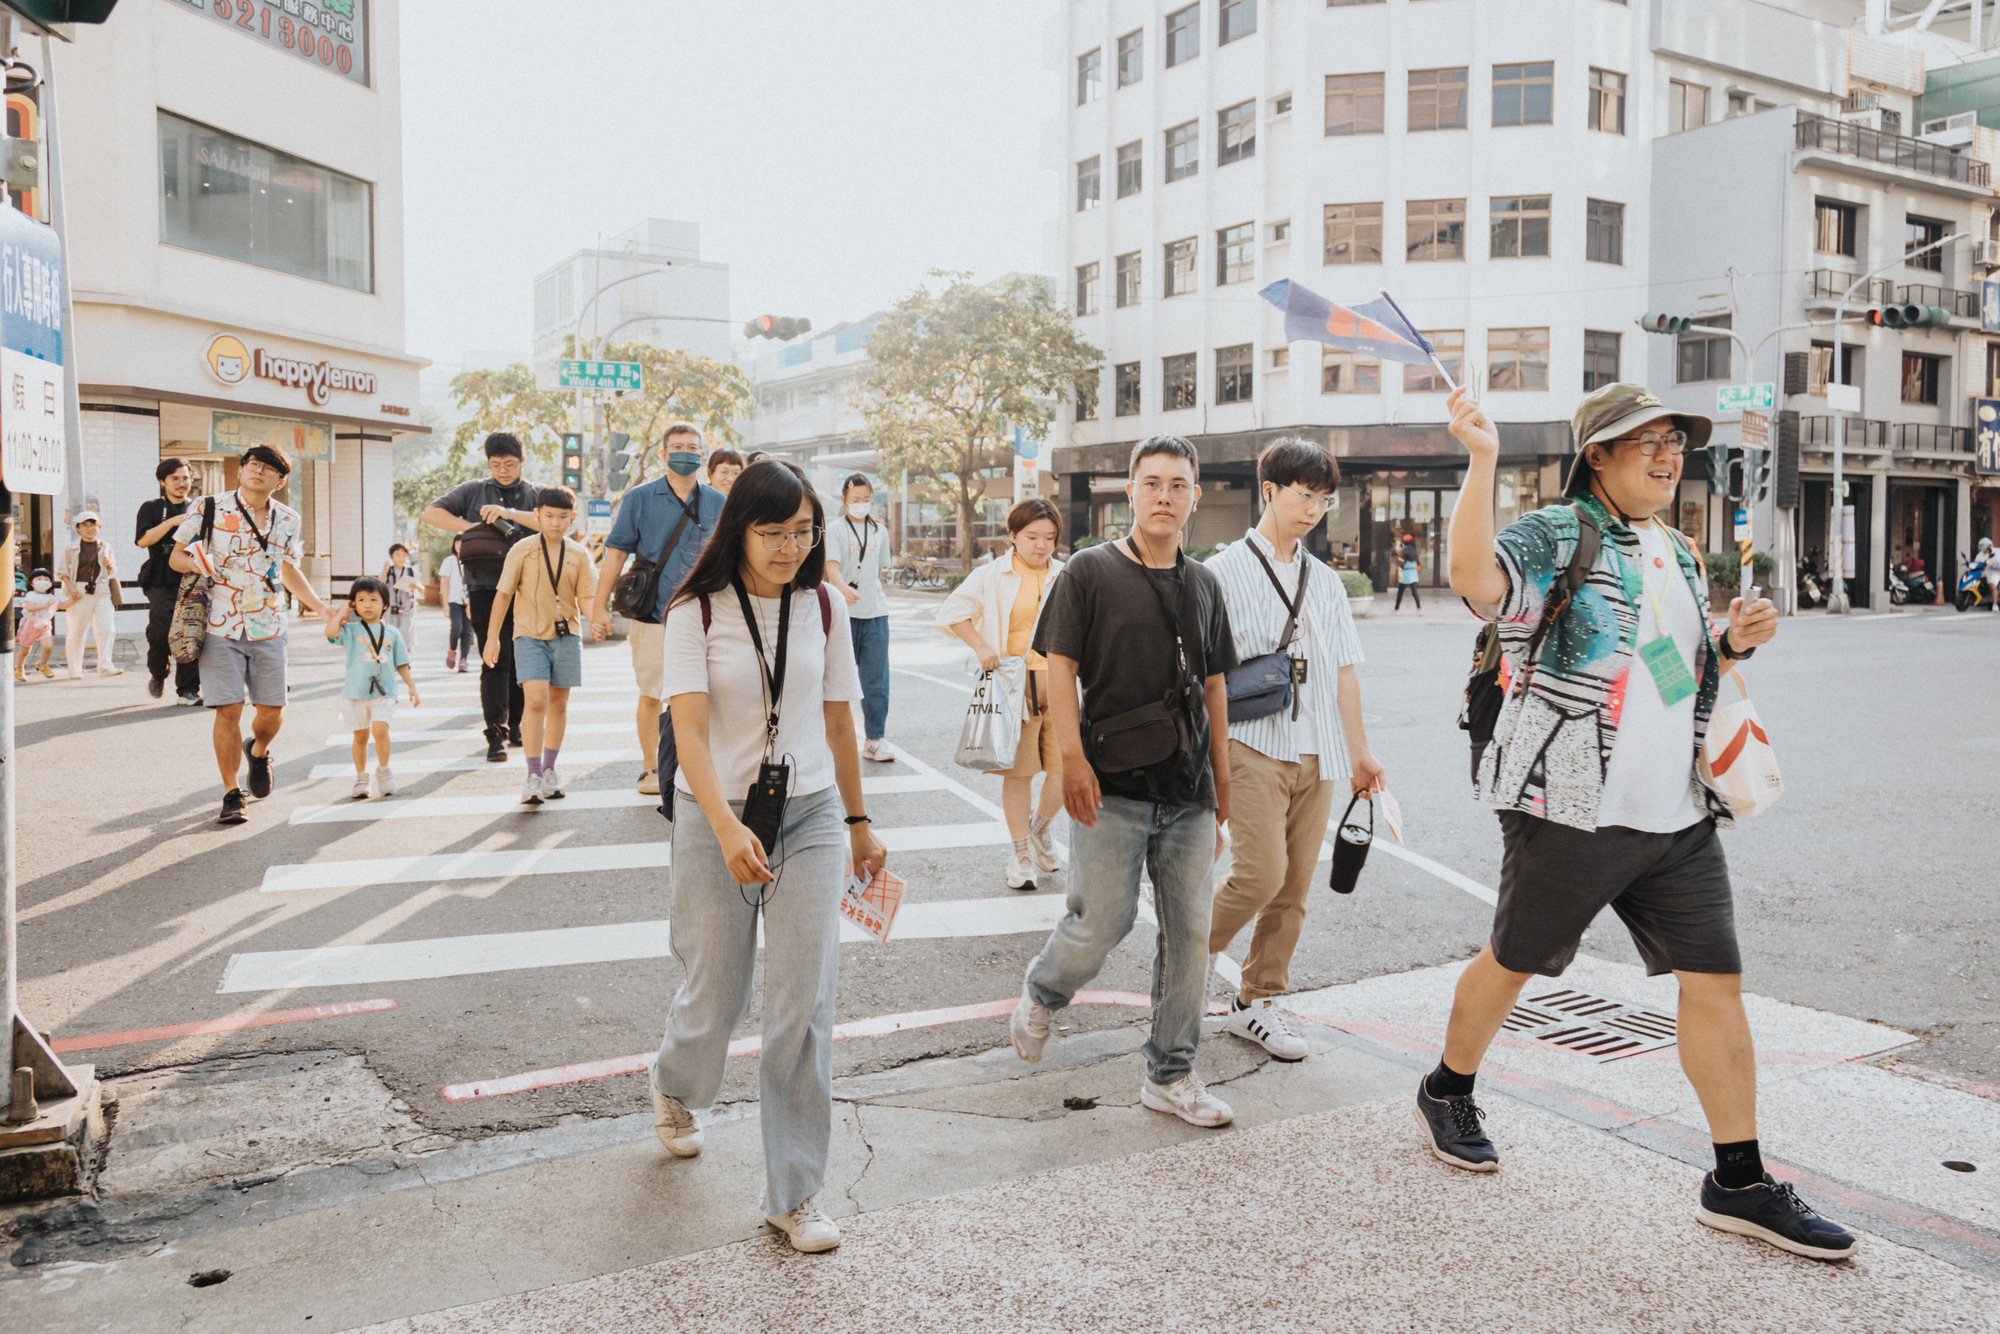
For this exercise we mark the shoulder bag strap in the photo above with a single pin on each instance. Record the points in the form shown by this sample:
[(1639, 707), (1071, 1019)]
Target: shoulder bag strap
[(1179, 620), (1291, 604), (825, 611), (1581, 558)]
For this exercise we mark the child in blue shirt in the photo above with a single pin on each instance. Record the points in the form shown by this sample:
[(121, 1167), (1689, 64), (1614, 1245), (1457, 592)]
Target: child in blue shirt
[(376, 656)]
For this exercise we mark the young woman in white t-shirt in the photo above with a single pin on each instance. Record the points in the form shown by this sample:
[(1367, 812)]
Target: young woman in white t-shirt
[(762, 568)]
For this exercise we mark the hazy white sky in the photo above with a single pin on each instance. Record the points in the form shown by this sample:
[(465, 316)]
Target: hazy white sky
[(832, 150)]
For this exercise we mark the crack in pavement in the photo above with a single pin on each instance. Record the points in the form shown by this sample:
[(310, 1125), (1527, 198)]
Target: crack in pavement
[(861, 1129)]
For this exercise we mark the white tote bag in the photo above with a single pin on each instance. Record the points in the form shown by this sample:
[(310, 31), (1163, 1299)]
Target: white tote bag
[(992, 731), (1736, 757)]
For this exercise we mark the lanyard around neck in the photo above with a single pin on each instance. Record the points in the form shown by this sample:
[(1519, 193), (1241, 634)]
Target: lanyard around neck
[(375, 643), (555, 571), (774, 676)]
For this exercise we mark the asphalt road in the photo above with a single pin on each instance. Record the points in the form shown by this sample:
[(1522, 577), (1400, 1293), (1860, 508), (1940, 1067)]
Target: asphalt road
[(1865, 892)]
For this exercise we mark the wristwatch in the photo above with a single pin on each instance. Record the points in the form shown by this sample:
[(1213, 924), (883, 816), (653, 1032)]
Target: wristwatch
[(859, 819)]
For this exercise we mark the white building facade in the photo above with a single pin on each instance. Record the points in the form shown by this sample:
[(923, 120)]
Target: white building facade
[(648, 284), (234, 198)]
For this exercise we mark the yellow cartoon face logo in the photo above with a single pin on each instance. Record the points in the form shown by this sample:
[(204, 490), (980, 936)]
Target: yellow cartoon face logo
[(228, 360)]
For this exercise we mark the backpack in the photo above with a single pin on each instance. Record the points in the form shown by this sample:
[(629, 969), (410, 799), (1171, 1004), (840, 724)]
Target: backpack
[(1483, 693), (667, 759), (484, 546)]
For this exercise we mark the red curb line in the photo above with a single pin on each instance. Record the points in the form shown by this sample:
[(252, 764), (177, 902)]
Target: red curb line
[(240, 1021)]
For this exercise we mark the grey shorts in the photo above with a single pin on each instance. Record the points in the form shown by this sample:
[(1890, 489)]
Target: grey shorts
[(1671, 891), (232, 669)]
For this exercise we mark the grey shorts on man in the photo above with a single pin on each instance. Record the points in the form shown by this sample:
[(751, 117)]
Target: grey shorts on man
[(232, 669)]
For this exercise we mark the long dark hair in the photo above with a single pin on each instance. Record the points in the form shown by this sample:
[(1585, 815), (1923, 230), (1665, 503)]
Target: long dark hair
[(769, 491)]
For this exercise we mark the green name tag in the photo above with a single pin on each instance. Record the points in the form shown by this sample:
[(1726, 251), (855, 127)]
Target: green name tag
[(1670, 670)]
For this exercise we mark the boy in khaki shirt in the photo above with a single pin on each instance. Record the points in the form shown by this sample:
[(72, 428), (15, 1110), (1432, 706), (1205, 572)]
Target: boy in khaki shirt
[(546, 582)]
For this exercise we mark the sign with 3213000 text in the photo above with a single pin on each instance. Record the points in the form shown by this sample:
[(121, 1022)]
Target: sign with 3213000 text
[(332, 34)]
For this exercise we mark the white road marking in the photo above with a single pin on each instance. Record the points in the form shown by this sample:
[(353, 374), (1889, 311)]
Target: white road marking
[(460, 711), (630, 692), (515, 760), (479, 733), (1442, 872), (590, 799)]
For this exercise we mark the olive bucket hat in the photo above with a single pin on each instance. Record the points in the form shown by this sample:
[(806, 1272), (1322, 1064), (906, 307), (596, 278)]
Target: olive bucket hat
[(1611, 412)]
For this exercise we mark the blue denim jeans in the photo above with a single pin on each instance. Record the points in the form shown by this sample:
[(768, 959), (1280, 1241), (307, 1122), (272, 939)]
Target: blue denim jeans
[(713, 931), (871, 655), (1176, 845)]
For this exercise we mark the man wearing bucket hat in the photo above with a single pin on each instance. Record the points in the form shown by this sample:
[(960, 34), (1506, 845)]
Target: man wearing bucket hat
[(1592, 770)]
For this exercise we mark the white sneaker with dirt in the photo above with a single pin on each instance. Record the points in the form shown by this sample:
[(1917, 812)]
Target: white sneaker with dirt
[(878, 751), (552, 787), (674, 1124), (1042, 849), (1029, 1026), (1020, 875), (531, 791), (809, 1229), (1187, 1099), (385, 781), (360, 789), (1261, 1024)]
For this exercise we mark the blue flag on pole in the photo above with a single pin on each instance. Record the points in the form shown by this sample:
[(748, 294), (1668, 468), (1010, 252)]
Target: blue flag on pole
[(1375, 327)]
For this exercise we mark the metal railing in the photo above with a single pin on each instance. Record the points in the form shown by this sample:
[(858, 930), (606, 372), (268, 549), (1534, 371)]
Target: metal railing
[(1954, 301), (1898, 150), (1824, 286), (1916, 436), (1867, 433)]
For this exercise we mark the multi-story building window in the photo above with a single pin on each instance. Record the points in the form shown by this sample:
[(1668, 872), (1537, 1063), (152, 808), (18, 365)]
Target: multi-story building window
[(1177, 386), (1353, 234), (1918, 233), (1835, 229), (1236, 133), (1600, 359), (1128, 279), (1344, 372), (1353, 104), (1235, 254), (1179, 267), (1687, 106), (1086, 288), (1090, 76), (1607, 101), (1524, 94), (1086, 397), (1278, 358), (1239, 19), (1437, 99), (1703, 356), (1234, 381), (1183, 151), (1183, 35), (1519, 226), (1921, 377), (1433, 229), (1125, 389), (1131, 58), (1604, 231), (1281, 105), (1517, 358), (1089, 186), (1281, 230), (1424, 379), (1131, 168)]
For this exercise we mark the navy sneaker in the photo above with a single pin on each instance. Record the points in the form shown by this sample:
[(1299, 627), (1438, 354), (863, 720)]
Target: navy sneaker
[(232, 807), (260, 770), (1772, 1211), (1453, 1124)]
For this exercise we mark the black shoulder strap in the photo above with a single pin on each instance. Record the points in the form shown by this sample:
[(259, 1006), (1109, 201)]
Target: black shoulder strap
[(207, 519), (1180, 620), (1298, 598), (1589, 540)]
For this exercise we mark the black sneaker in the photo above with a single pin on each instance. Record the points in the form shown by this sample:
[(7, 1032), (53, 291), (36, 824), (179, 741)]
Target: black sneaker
[(514, 738), (260, 771), (157, 686), (232, 807), (1772, 1211), (496, 746), (1453, 1124)]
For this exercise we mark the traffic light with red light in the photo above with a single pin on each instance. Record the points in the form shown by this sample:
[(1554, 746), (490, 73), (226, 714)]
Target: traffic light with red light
[(572, 462), (1909, 315), (780, 327), (1653, 322)]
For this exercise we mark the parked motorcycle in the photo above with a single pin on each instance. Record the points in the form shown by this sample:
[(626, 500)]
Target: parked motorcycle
[(1811, 592), (1910, 582), (1973, 589)]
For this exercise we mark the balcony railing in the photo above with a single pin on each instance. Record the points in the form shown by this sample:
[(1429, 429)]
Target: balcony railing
[(1861, 433), (1824, 286), (1955, 302), (1897, 150), (1916, 437)]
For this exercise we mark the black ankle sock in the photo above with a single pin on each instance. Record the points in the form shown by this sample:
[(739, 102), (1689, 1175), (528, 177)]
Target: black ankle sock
[(1738, 1165), (1238, 1004), (1445, 1082)]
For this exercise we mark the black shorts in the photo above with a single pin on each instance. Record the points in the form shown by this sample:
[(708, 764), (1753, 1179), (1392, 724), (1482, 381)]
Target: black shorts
[(1671, 890)]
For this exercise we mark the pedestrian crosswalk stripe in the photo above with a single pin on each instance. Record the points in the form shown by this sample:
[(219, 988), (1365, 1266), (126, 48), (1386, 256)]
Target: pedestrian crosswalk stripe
[(587, 799), (572, 759), (401, 734), (462, 710), (630, 692)]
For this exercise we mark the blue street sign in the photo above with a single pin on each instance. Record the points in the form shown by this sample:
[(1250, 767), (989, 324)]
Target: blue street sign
[(31, 287), (1024, 446)]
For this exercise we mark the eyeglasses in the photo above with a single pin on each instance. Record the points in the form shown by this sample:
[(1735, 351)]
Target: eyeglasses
[(1313, 504), (1650, 442), (1152, 489), (805, 539)]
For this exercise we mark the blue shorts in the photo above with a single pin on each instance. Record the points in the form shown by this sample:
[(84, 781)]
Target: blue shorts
[(557, 661)]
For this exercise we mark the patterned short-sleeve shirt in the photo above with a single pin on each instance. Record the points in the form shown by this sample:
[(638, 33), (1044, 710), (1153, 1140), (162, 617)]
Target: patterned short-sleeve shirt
[(247, 595)]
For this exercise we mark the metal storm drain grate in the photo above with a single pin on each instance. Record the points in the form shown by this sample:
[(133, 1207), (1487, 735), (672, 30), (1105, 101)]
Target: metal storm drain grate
[(1604, 1030)]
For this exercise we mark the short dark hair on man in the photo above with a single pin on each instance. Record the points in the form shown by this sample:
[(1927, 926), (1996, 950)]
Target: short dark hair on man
[(722, 458), (504, 442), (681, 428), (1164, 444), (853, 480), (167, 468), (555, 498), (1291, 459)]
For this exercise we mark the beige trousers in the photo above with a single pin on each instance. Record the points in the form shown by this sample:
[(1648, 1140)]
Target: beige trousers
[(1277, 821)]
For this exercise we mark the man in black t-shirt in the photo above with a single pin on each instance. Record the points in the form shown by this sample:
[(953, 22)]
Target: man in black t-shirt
[(505, 502), (1144, 632), (157, 520)]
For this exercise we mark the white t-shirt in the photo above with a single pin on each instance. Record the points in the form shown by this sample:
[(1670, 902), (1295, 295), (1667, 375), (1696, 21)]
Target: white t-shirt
[(1649, 784), (455, 590), (819, 669)]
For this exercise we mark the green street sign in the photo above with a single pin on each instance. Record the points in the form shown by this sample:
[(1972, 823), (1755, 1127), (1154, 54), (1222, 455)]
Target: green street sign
[(622, 376), (1741, 397)]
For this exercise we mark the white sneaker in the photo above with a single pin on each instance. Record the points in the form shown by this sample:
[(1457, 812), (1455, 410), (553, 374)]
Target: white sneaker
[(1030, 1026), (674, 1124), (1264, 1026), (551, 785), (1187, 1099), (878, 750), (1020, 875), (531, 791), (385, 781), (111, 671), (360, 789), (809, 1229), (1042, 849)]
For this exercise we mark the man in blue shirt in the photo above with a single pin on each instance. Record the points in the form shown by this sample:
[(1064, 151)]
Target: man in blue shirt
[(666, 521)]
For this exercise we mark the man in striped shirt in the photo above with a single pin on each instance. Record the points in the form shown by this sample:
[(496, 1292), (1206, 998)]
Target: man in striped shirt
[(1285, 765)]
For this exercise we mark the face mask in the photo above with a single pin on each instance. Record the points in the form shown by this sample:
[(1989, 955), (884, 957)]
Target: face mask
[(860, 509), (41, 585), (684, 465)]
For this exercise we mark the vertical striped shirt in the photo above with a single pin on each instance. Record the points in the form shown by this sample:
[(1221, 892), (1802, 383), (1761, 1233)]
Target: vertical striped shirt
[(1326, 639)]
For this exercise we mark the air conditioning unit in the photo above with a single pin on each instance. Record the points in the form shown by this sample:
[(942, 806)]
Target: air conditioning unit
[(1987, 253)]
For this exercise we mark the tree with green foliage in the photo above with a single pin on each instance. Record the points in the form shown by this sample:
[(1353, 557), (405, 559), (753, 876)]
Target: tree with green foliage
[(507, 400), (955, 371), (679, 385)]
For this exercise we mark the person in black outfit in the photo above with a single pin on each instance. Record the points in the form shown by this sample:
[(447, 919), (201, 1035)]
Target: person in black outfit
[(157, 520), (504, 503)]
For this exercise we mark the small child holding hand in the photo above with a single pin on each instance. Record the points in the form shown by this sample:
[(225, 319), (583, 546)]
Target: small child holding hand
[(376, 656), (38, 624)]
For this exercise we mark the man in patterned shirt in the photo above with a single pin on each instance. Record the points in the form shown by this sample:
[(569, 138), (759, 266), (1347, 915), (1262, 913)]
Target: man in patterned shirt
[(250, 555)]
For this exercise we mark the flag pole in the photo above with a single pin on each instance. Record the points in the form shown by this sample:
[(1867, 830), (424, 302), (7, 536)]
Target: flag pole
[(1422, 341)]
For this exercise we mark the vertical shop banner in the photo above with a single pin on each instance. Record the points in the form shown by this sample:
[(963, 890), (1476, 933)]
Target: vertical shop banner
[(1027, 461), (1986, 434), (332, 34), (31, 355)]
